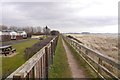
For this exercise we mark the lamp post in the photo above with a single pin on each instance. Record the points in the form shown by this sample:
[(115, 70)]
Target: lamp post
[(46, 30)]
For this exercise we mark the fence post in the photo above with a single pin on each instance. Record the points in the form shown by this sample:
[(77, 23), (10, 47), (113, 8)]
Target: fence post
[(30, 74), (54, 45), (46, 62), (52, 52), (76, 45), (71, 43), (41, 66), (79, 49), (86, 54), (99, 69), (35, 71)]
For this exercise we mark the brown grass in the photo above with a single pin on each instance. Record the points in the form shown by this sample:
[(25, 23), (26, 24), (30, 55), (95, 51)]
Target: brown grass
[(105, 44)]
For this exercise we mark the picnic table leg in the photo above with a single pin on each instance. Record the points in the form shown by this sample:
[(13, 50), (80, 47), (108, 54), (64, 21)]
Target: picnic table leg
[(5, 54)]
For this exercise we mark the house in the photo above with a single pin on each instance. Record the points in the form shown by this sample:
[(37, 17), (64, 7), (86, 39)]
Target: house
[(22, 33), (8, 35), (5, 36), (54, 32), (6, 32), (13, 35)]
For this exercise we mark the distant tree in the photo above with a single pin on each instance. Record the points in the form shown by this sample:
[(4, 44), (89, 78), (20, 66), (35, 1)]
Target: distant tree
[(13, 28), (3, 27), (54, 32), (35, 30), (32, 31), (39, 30), (0, 27), (19, 28), (28, 29)]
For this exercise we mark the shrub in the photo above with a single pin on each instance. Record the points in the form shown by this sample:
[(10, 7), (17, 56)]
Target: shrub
[(29, 52)]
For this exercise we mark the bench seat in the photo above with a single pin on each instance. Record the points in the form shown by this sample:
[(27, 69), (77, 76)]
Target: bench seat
[(13, 50)]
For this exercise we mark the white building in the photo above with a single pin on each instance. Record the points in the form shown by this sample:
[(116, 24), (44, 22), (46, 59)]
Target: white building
[(22, 33), (11, 33)]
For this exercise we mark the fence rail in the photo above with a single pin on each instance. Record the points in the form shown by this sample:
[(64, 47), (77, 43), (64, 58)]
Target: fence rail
[(103, 65), (38, 65)]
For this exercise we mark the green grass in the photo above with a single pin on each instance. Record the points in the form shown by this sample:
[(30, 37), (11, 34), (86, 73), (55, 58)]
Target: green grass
[(60, 67), (82, 64), (10, 64)]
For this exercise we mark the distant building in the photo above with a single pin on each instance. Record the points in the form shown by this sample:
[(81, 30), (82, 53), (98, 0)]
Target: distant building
[(22, 33), (13, 35), (54, 32), (10, 33), (85, 33), (6, 32), (7, 35)]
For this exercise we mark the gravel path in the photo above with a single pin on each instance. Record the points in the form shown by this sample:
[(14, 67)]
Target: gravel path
[(75, 69)]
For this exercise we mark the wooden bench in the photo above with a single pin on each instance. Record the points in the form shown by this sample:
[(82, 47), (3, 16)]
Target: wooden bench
[(7, 49), (5, 53)]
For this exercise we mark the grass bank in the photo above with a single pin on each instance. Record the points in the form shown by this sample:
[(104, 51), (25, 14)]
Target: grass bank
[(82, 64), (10, 64), (60, 67)]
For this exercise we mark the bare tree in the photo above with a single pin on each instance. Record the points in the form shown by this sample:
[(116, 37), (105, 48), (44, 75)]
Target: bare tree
[(39, 30), (3, 27), (13, 28)]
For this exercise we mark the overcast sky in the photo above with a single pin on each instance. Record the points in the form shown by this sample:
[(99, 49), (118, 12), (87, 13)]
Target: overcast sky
[(100, 16)]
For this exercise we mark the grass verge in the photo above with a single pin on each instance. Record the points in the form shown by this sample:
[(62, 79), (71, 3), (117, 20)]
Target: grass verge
[(60, 67), (10, 64), (82, 64)]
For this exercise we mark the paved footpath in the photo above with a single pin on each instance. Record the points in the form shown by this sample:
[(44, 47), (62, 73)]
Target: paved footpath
[(75, 69)]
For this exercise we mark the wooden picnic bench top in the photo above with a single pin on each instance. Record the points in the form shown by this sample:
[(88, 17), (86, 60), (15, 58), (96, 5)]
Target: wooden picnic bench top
[(3, 47)]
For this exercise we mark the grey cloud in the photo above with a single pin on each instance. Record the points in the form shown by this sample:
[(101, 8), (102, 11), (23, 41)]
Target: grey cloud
[(54, 14)]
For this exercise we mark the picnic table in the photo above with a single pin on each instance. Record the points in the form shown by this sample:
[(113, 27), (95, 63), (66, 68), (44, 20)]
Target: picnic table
[(6, 49)]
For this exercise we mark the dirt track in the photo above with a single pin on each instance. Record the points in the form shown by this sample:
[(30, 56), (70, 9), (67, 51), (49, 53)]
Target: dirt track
[(75, 69)]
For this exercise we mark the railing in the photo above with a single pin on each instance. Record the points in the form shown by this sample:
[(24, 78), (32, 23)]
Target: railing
[(104, 66), (38, 65)]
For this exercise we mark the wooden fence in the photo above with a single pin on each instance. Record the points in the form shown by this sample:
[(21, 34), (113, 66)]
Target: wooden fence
[(37, 66), (104, 66)]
